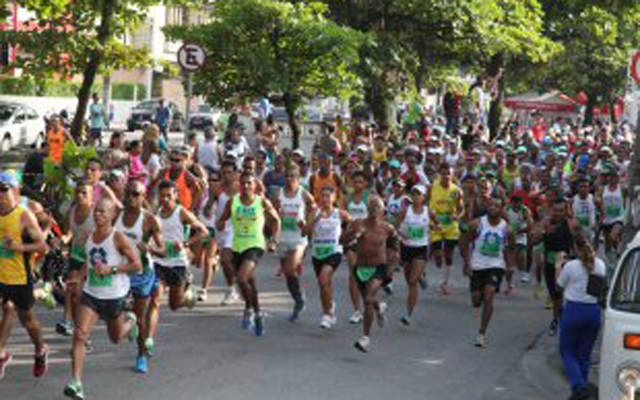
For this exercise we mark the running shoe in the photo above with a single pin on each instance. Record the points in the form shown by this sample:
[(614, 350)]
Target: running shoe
[(363, 344), (133, 333), (74, 390), (525, 278), (259, 325), (481, 341), (142, 366), (5, 360), (190, 297), (405, 320), (88, 346), (47, 296), (247, 320), (41, 363), (553, 328), (298, 309), (382, 319), (356, 317), (445, 289), (149, 346), (202, 294), (230, 297), (325, 322), (64, 328)]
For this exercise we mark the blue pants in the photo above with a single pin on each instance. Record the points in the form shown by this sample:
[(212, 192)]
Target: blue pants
[(578, 332)]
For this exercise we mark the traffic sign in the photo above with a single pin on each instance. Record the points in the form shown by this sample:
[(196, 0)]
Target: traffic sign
[(191, 57), (635, 67)]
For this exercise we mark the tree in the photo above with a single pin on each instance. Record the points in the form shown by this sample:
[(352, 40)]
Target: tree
[(79, 37), (266, 47)]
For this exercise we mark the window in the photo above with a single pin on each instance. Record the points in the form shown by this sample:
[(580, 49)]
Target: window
[(174, 16), (626, 288)]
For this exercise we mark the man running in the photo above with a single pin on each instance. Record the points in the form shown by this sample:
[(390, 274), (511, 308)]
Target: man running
[(293, 204), (228, 189), (520, 221), (612, 198), (247, 212), (143, 230), (485, 262), (326, 230), (445, 201), (188, 186), (20, 235), (373, 235), (111, 257)]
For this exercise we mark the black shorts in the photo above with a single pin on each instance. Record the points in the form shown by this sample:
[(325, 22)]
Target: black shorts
[(486, 277), (20, 295), (333, 261), (107, 310), (171, 276), (408, 253), (253, 254), (380, 273), (443, 244)]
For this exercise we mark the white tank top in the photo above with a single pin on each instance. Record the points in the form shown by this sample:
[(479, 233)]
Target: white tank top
[(108, 287), (394, 205), (416, 227), (136, 234), (80, 233), (326, 236), (613, 204), (358, 210), (584, 211), (223, 199), (292, 210), (489, 245), (173, 231), (209, 222)]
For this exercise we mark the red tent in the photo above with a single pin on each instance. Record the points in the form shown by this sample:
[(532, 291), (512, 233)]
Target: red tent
[(551, 102)]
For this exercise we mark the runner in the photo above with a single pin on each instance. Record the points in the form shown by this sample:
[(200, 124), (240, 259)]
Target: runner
[(413, 229), (612, 197), (585, 209), (111, 258), (144, 231), (485, 262), (445, 201), (206, 253), (325, 177), (21, 236), (326, 229), (293, 205), (519, 219), (373, 235), (188, 186), (247, 212), (79, 226), (228, 189)]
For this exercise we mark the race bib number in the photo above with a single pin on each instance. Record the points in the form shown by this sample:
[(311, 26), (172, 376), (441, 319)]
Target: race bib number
[(96, 280), (583, 220), (445, 219), (323, 251), (613, 210), (4, 252), (552, 256), (78, 253), (416, 232), (172, 251), (290, 224), (491, 246)]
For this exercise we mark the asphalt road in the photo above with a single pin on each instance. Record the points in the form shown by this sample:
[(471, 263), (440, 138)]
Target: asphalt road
[(203, 353)]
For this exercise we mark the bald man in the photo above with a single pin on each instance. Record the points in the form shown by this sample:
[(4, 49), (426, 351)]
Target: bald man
[(111, 257), (373, 235)]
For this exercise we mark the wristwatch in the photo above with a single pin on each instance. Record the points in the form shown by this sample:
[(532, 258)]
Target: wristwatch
[(114, 270)]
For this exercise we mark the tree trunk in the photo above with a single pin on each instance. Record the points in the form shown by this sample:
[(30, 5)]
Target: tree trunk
[(612, 111), (495, 109), (588, 111), (291, 107), (378, 104), (105, 31)]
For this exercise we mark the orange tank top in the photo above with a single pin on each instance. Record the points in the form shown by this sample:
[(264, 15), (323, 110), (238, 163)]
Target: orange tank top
[(320, 183), (184, 193), (56, 145)]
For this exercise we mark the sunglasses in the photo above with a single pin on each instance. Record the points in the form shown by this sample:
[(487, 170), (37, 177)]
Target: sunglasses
[(4, 189), (176, 160), (134, 193), (214, 180)]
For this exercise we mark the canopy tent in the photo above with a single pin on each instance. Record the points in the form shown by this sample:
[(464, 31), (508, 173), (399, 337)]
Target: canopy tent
[(551, 102)]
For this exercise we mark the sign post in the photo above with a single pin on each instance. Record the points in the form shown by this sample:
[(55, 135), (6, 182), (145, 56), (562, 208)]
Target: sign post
[(191, 58)]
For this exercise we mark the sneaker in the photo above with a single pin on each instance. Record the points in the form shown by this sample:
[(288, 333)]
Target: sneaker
[(325, 321), (405, 320), (4, 362), (202, 294), (190, 297), (259, 325), (388, 289), (74, 390), (445, 289), (41, 363), (382, 319), (363, 344), (298, 309), (142, 367), (133, 333), (47, 296), (64, 328), (481, 341), (88, 346), (356, 317), (149, 346), (247, 320), (553, 328), (525, 278), (333, 316), (230, 297)]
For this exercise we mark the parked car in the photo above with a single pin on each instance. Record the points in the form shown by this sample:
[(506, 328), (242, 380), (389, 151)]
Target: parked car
[(620, 355), (205, 116), (145, 113), (20, 125)]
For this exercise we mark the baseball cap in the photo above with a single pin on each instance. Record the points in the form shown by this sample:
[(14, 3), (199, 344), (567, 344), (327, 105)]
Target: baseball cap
[(7, 178), (398, 182), (419, 188), (299, 152), (394, 164)]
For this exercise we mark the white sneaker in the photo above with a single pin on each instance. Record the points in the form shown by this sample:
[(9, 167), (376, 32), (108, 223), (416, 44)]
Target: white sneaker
[(363, 344), (326, 321), (525, 277), (356, 317), (334, 318), (202, 294), (481, 340), (382, 320), (230, 297)]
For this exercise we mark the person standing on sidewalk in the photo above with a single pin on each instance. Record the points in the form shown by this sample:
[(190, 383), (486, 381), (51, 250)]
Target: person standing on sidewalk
[(580, 322), (97, 121)]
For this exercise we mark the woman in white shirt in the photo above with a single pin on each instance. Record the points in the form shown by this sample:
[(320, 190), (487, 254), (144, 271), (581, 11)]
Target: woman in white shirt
[(580, 322)]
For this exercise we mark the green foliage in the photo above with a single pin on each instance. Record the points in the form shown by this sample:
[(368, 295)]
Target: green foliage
[(61, 177), (125, 91)]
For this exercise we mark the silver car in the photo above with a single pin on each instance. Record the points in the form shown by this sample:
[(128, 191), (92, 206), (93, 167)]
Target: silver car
[(20, 125)]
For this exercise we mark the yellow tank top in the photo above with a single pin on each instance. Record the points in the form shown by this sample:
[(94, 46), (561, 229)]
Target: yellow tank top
[(14, 267), (444, 201), (509, 177)]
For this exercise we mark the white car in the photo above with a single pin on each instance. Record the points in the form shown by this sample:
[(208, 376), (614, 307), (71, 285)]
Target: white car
[(20, 125), (620, 354)]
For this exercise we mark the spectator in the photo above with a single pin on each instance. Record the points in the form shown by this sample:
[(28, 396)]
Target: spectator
[(97, 119), (209, 151), (163, 117)]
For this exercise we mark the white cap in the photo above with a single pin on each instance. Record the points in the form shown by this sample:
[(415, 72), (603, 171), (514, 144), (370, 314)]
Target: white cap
[(419, 188), (299, 152)]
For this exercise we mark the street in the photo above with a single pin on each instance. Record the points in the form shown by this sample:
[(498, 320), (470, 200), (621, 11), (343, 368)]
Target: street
[(203, 354)]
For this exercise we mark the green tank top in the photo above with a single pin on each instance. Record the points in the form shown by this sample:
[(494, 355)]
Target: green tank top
[(248, 224)]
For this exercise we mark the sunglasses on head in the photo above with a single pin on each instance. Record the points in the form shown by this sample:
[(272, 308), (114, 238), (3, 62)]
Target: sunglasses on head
[(4, 189)]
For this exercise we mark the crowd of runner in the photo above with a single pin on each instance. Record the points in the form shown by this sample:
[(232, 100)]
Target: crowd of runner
[(388, 204)]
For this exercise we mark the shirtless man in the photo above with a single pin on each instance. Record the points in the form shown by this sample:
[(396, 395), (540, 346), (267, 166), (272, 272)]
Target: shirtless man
[(373, 234)]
